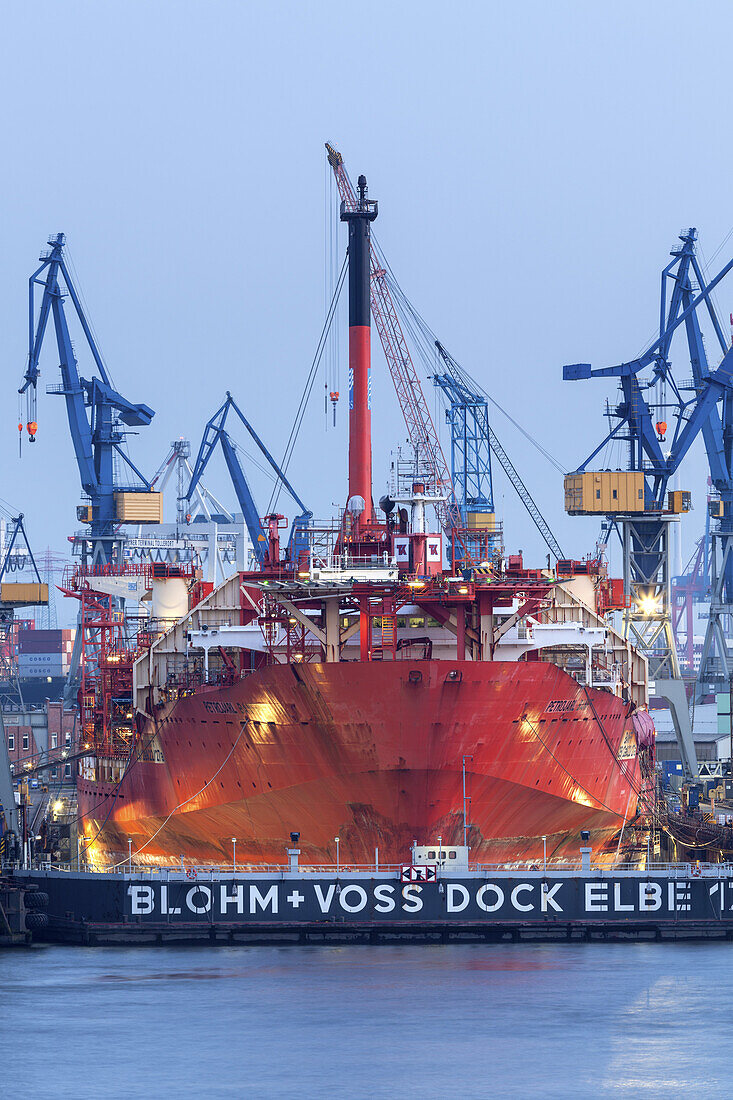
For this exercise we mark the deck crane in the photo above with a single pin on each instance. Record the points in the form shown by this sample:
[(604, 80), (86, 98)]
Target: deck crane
[(472, 441), (262, 532), (98, 415), (638, 500), (420, 428)]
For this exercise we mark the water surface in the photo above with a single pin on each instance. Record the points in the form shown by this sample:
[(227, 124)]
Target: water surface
[(585, 1020)]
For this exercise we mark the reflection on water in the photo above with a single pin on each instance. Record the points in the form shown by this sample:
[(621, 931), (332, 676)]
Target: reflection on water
[(583, 1020)]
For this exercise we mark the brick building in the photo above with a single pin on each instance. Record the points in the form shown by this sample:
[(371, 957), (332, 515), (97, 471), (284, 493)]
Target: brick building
[(42, 735)]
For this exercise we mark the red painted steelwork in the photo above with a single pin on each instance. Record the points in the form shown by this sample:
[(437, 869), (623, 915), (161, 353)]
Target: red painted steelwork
[(360, 420), (418, 421)]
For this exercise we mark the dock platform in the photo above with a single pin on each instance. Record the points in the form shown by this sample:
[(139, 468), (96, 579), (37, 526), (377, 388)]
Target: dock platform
[(484, 904)]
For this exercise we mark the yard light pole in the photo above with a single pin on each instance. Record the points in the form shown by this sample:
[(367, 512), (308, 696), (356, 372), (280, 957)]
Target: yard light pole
[(337, 854), (129, 853), (234, 855), (544, 852)]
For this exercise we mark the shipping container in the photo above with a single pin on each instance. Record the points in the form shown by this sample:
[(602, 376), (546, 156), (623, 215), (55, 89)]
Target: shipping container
[(44, 672), (18, 593), (139, 507), (481, 521), (45, 655), (48, 664), (679, 500), (47, 646), (604, 492), (46, 641)]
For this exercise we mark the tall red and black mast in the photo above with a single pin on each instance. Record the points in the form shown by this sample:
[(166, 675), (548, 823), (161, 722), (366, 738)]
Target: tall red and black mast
[(359, 219)]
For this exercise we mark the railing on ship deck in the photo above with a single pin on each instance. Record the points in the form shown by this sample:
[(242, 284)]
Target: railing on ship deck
[(180, 684), (673, 870)]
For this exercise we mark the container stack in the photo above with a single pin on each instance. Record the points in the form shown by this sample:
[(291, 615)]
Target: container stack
[(44, 653)]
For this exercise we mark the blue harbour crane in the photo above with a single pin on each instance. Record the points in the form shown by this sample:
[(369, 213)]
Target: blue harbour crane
[(472, 442), (99, 417), (638, 501), (468, 417), (260, 530)]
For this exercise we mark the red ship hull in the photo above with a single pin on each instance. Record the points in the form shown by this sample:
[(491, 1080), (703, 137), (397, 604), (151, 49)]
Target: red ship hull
[(372, 753)]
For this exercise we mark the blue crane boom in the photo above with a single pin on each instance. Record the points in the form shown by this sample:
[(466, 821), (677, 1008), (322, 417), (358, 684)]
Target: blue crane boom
[(468, 417), (700, 406), (472, 441), (694, 415), (95, 410), (215, 432)]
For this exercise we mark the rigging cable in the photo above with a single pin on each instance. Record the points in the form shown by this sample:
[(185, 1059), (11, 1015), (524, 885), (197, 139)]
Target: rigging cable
[(191, 797), (305, 397), (593, 797), (427, 339)]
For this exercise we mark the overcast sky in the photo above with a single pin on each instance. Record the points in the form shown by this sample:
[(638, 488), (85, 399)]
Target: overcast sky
[(533, 165)]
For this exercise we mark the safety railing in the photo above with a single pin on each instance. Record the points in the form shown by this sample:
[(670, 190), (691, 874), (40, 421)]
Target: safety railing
[(226, 870)]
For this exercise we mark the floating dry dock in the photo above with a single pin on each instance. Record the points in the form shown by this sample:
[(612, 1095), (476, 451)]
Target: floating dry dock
[(663, 901)]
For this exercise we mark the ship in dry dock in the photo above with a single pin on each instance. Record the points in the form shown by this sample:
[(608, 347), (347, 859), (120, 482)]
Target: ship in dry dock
[(355, 690)]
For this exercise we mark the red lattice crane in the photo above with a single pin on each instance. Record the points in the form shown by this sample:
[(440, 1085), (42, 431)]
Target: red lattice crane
[(418, 421)]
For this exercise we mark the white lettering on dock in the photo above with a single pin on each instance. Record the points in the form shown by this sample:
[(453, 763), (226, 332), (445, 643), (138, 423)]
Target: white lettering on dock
[(202, 891), (683, 898), (236, 898), (596, 897), (454, 905), (360, 892), (142, 900), (325, 900), (412, 902), (548, 897), (618, 898), (618, 905), (650, 897), (269, 901), (521, 906), (384, 894), (174, 910), (490, 907)]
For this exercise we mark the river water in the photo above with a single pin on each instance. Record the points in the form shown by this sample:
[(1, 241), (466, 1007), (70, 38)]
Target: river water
[(585, 1020)]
